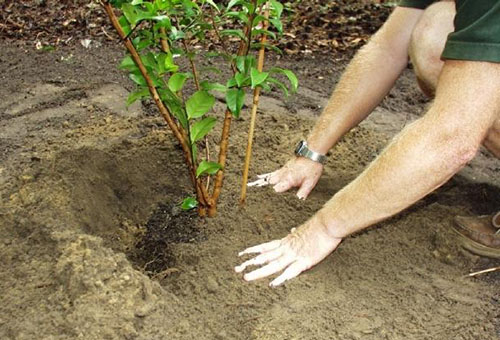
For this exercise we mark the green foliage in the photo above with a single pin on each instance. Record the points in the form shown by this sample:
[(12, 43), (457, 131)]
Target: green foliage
[(198, 104), (189, 203), (182, 24), (209, 168)]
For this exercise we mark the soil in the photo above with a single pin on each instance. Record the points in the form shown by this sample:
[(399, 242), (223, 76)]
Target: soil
[(93, 244)]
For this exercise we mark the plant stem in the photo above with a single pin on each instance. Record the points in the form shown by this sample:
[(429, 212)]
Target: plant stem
[(255, 105), (164, 42), (198, 88), (243, 50)]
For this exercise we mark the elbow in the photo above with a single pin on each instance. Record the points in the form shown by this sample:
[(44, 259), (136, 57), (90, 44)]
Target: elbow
[(464, 155), (458, 151)]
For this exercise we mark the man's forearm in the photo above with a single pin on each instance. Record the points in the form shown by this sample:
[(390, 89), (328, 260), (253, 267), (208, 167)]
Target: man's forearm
[(424, 155), (367, 79)]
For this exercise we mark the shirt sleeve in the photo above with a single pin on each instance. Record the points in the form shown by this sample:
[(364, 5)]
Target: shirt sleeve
[(421, 4)]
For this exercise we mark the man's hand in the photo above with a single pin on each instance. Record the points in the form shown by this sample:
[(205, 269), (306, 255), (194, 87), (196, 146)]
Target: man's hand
[(300, 250), (298, 172)]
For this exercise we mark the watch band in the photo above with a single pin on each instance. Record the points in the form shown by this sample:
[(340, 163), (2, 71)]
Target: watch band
[(303, 151)]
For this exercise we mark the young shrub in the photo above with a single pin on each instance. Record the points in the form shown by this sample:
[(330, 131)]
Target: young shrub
[(156, 32)]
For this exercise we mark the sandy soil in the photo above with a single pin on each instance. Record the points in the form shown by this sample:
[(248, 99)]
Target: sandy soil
[(93, 244)]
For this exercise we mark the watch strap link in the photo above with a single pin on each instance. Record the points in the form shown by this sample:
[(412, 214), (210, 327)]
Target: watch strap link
[(303, 151)]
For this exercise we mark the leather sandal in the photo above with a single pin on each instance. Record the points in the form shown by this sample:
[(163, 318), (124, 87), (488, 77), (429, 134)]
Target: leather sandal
[(480, 235)]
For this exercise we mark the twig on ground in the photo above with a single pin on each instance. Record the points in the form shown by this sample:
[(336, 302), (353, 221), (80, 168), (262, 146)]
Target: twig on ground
[(484, 271)]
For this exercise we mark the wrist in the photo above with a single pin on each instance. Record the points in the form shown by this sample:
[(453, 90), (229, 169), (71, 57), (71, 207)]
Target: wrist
[(303, 150), (332, 226), (317, 146)]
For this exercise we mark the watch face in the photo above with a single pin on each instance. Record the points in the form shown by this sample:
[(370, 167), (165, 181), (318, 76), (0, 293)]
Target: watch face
[(299, 147)]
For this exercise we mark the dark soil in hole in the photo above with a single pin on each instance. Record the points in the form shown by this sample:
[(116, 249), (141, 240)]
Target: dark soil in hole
[(168, 225)]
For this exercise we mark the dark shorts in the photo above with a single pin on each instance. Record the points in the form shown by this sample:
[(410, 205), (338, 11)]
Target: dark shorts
[(477, 29)]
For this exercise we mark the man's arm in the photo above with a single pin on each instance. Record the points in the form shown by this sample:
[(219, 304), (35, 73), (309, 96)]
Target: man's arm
[(420, 159), (426, 153), (367, 79)]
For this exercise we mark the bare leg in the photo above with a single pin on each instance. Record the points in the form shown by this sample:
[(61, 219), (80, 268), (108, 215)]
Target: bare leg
[(427, 44)]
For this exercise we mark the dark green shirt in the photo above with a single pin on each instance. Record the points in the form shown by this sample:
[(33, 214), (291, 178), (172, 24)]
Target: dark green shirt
[(477, 29)]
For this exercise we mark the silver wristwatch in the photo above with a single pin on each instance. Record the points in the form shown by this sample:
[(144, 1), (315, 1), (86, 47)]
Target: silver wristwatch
[(303, 151)]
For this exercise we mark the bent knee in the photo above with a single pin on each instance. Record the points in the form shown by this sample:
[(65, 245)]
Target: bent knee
[(427, 43), (492, 140)]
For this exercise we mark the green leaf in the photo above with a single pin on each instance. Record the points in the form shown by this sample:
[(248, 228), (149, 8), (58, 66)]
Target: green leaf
[(117, 3), (236, 33), (128, 64), (139, 94), (257, 19), (130, 13), (138, 79), (209, 168), (125, 25), (250, 62), (231, 82), (282, 86), (194, 151), (235, 99), (257, 77), (149, 61), (201, 128), (256, 32), (208, 86), (213, 4), (240, 63), (289, 74), (141, 44), (189, 203), (240, 79), (278, 7), (239, 15), (266, 46), (174, 105), (277, 24), (176, 81), (162, 4), (175, 34), (233, 3), (136, 2), (163, 21), (199, 103), (166, 62)]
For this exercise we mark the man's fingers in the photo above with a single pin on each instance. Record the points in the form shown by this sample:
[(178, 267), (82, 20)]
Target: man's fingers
[(306, 188), (269, 269), (292, 271), (283, 186), (261, 248), (258, 260), (269, 174), (264, 179), (275, 177), (258, 183)]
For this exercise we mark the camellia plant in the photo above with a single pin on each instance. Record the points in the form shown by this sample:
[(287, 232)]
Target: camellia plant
[(157, 33)]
